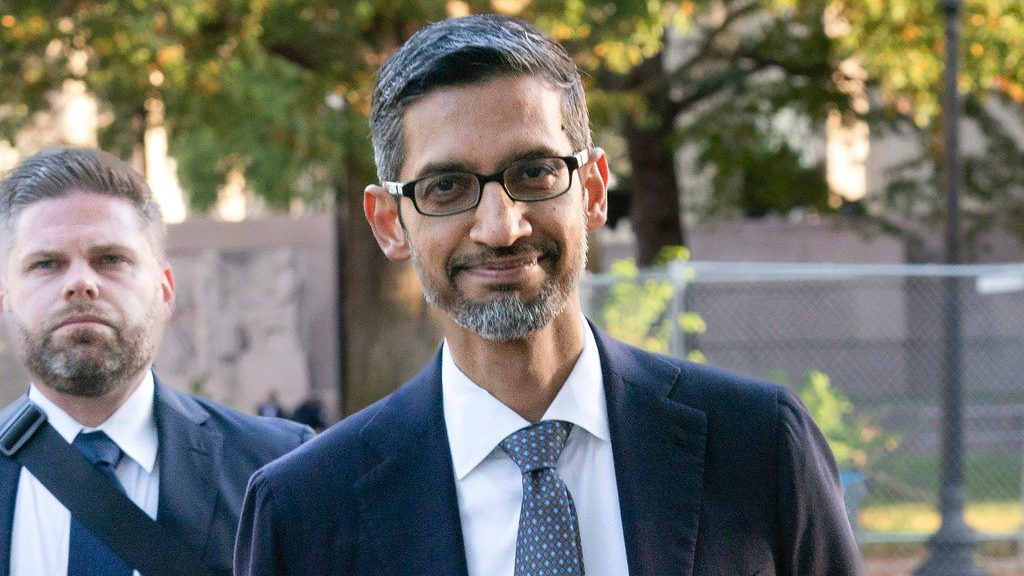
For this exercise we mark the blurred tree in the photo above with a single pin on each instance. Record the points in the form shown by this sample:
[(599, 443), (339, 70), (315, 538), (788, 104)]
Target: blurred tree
[(663, 73), (901, 45), (274, 89), (278, 90)]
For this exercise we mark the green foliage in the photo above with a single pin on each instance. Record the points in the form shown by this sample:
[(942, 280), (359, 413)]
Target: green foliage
[(634, 309), (757, 171), (637, 308), (277, 89), (901, 44), (280, 88), (853, 437)]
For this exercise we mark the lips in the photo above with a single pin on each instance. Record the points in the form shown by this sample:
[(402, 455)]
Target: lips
[(81, 319), (501, 271), (506, 264), (503, 260)]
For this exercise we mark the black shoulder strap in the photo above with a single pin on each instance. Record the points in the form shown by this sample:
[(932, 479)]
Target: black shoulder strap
[(146, 545)]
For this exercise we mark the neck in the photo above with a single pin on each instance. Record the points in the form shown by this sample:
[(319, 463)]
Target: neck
[(91, 411), (524, 374)]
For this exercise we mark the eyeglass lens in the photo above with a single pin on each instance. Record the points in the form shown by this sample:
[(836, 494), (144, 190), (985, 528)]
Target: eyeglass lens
[(525, 180)]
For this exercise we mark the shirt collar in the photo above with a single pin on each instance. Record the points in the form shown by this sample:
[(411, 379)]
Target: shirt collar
[(132, 426), (477, 421)]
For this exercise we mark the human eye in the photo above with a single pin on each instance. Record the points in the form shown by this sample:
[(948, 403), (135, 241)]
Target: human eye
[(536, 177), (42, 265), (538, 169), (442, 185), (111, 260), (443, 192)]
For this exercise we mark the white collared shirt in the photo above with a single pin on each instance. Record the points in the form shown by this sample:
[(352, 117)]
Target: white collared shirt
[(490, 486), (42, 525)]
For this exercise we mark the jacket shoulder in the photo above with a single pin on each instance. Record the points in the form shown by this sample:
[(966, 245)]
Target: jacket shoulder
[(348, 448), (699, 385), (265, 437), (331, 458)]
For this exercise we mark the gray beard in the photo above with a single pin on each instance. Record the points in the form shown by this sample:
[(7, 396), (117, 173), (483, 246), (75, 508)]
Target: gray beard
[(509, 317), (88, 365)]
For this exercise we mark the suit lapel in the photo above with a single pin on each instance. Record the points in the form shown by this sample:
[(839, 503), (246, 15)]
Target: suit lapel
[(658, 446), (409, 520), (188, 476)]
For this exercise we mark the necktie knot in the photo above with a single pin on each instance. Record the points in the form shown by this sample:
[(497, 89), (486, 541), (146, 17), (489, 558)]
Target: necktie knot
[(538, 446), (98, 448)]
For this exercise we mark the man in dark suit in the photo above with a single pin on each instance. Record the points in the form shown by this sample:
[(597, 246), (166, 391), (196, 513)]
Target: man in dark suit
[(533, 444), (86, 292)]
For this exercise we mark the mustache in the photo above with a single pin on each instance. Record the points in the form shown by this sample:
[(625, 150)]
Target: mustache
[(78, 312), (547, 249)]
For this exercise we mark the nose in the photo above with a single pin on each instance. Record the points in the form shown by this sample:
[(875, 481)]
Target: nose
[(80, 283), (499, 220)]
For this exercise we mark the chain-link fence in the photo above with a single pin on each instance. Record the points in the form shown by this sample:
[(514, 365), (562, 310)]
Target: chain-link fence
[(864, 345)]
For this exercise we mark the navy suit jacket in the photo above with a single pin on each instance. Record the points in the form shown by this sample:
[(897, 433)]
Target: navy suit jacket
[(717, 475), (206, 453)]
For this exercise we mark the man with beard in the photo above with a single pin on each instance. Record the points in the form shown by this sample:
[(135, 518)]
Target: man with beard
[(86, 292), (532, 444)]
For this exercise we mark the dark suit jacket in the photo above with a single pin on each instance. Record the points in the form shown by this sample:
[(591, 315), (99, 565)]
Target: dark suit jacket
[(206, 453), (717, 475)]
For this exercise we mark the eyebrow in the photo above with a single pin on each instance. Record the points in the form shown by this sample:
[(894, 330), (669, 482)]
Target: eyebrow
[(98, 249), (40, 255), (431, 168), (111, 247)]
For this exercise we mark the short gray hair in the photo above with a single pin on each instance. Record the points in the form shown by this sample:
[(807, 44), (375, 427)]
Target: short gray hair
[(61, 172), (462, 51)]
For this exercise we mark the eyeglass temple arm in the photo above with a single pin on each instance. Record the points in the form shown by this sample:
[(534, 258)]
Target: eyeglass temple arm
[(581, 157)]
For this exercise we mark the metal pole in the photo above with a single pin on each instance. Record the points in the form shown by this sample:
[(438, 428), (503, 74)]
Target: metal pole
[(951, 548)]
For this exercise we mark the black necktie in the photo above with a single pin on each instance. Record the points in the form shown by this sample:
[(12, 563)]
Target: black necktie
[(87, 555)]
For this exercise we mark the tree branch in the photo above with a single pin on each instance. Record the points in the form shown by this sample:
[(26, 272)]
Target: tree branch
[(649, 75)]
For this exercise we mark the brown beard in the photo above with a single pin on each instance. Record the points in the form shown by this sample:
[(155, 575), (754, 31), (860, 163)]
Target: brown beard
[(86, 363)]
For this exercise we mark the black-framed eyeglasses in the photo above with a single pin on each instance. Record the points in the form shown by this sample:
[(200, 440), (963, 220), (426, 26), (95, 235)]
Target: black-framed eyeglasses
[(531, 180)]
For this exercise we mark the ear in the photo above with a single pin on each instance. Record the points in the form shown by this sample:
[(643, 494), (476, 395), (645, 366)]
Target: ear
[(381, 211), (594, 177), (167, 287)]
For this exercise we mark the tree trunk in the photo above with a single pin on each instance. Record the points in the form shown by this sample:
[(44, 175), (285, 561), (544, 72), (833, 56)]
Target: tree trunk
[(654, 209), (388, 330)]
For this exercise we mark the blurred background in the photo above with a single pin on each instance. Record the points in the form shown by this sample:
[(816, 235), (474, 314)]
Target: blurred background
[(751, 133)]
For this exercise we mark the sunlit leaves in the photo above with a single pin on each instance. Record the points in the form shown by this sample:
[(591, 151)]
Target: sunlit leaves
[(902, 45)]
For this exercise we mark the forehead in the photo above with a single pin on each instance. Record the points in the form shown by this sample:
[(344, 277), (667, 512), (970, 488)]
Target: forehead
[(479, 126), (80, 220)]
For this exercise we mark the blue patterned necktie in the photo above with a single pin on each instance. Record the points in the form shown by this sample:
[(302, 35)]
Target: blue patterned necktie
[(548, 543), (87, 555)]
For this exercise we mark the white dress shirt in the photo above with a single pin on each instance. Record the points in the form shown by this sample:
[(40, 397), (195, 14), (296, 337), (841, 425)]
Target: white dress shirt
[(489, 485), (42, 525)]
